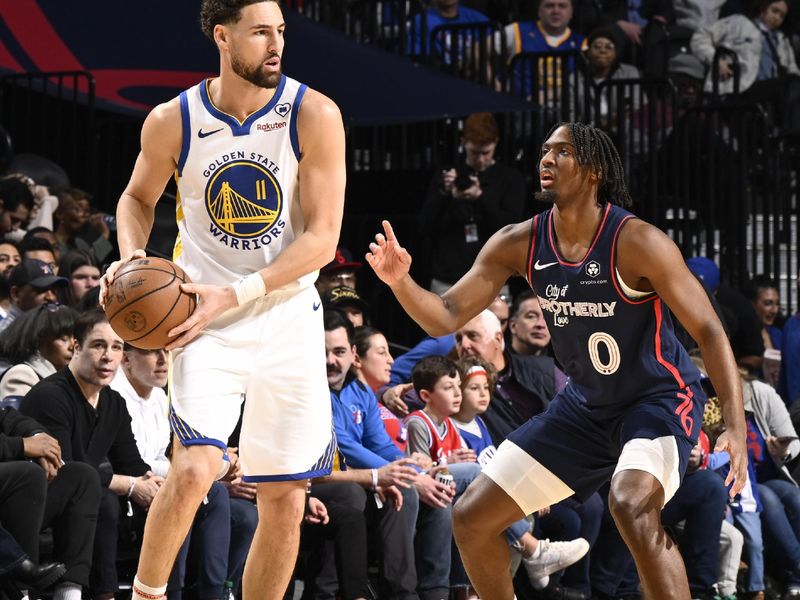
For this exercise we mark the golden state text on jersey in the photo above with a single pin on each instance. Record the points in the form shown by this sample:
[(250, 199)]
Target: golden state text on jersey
[(244, 201), (238, 204)]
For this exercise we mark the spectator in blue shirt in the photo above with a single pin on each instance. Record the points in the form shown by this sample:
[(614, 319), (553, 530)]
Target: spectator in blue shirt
[(423, 559), (790, 360), (440, 12)]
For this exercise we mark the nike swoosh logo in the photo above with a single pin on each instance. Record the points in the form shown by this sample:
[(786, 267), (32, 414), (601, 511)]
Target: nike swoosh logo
[(539, 267), (316, 306), (201, 134)]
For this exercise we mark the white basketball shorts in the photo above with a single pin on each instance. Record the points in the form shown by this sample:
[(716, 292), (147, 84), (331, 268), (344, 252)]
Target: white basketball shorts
[(270, 353)]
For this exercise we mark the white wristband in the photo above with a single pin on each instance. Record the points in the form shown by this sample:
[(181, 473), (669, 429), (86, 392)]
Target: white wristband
[(374, 473), (249, 288)]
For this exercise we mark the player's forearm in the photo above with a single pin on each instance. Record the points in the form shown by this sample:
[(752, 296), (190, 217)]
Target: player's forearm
[(310, 252), (134, 223), (426, 308)]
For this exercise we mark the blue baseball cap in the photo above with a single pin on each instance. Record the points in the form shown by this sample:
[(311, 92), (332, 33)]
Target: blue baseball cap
[(706, 270)]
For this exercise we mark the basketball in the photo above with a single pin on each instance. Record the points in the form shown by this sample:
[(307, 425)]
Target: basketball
[(145, 302)]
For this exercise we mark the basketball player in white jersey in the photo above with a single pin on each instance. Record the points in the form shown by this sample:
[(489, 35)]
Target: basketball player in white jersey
[(260, 168)]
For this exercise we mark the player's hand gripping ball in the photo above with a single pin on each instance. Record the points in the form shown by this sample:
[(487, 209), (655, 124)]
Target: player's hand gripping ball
[(145, 301)]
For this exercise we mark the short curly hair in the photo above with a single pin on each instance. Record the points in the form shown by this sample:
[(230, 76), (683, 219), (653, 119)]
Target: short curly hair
[(222, 12)]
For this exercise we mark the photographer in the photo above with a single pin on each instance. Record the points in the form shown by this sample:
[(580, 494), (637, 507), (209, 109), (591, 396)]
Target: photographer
[(469, 202)]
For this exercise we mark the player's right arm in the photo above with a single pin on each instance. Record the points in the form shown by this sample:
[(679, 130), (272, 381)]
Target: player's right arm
[(503, 256), (161, 142)]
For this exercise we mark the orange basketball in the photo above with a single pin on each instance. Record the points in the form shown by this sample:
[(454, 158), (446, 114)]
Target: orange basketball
[(145, 302)]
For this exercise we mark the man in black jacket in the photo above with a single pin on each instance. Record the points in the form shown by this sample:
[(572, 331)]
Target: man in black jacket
[(38, 490), (91, 423), (469, 202)]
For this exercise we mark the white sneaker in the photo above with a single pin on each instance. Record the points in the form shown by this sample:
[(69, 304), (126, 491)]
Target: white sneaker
[(554, 556)]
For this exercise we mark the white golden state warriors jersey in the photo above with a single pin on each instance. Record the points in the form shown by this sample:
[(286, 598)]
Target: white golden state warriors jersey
[(237, 205)]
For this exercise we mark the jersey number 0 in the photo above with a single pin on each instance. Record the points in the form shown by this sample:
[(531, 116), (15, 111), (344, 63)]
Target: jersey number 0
[(611, 364)]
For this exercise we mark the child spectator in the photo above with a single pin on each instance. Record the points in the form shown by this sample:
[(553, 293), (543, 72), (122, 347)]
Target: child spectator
[(438, 383), (477, 386), (431, 430)]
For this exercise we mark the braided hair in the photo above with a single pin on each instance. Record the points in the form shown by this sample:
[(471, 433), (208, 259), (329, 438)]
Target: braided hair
[(594, 149)]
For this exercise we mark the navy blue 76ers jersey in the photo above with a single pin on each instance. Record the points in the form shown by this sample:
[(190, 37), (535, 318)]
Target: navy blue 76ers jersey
[(617, 346)]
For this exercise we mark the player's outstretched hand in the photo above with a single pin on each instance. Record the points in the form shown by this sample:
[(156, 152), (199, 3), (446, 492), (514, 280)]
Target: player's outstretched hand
[(737, 449), (387, 257), (212, 301), (108, 277)]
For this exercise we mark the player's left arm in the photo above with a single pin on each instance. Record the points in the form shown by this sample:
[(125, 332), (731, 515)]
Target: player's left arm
[(649, 260), (321, 183)]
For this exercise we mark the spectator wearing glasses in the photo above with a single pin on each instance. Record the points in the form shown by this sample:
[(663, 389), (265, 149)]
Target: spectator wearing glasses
[(33, 283), (39, 249), (341, 271), (37, 344), (603, 56)]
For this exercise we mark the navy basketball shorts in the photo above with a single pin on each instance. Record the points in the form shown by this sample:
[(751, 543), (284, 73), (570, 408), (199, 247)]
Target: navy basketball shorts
[(574, 449)]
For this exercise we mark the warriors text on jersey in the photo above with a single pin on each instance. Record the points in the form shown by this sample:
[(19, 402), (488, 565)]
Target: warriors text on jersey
[(238, 202), (617, 345)]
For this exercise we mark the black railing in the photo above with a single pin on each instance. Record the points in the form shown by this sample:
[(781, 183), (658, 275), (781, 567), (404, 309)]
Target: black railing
[(52, 114), (732, 60), (551, 81), (386, 24), (472, 51)]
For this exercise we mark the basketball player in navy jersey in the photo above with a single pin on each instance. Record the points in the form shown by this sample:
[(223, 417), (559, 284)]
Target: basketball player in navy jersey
[(259, 163), (633, 407)]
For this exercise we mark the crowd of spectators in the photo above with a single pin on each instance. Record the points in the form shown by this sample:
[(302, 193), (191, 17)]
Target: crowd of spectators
[(86, 433), (730, 48)]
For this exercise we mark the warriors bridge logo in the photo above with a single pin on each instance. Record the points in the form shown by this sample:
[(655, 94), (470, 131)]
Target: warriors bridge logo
[(244, 202)]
